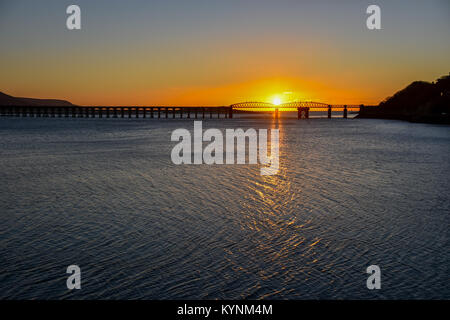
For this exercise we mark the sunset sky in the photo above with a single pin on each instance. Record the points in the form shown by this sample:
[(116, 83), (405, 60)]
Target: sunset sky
[(220, 52)]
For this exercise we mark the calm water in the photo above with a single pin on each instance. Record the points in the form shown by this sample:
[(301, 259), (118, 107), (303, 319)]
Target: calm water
[(104, 194)]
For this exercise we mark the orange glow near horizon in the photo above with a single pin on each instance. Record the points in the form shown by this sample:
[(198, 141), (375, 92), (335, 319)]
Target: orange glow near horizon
[(105, 87), (276, 91), (122, 82), (272, 91)]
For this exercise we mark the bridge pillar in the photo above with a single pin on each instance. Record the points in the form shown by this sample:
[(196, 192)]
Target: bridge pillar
[(276, 113), (230, 113), (329, 112), (307, 113), (345, 112)]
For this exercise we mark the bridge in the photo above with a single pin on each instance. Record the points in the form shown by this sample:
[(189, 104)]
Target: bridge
[(303, 109)]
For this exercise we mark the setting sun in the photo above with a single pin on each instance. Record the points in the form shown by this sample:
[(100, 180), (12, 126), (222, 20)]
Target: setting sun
[(276, 101)]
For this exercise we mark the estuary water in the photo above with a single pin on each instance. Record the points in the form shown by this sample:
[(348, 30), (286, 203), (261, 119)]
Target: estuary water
[(104, 194)]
